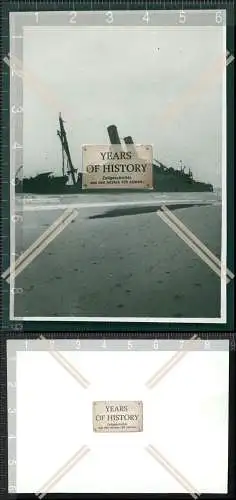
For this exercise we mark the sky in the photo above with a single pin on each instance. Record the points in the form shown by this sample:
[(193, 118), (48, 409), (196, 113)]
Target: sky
[(155, 83)]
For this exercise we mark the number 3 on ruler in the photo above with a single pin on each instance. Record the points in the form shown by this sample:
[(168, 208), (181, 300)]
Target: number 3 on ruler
[(219, 17), (109, 17)]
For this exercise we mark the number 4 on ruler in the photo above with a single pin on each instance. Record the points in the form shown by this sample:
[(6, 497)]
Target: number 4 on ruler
[(146, 17)]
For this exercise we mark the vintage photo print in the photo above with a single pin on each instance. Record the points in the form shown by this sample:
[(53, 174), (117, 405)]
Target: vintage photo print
[(118, 132)]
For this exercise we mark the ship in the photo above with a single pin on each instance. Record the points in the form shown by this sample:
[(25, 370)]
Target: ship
[(45, 183), (165, 179), (169, 179)]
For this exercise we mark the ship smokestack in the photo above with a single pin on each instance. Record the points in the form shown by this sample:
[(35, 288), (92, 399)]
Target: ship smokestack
[(128, 140), (113, 134), (130, 143)]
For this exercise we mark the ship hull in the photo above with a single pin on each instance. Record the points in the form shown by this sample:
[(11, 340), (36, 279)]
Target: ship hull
[(43, 184), (195, 187), (177, 182), (163, 182)]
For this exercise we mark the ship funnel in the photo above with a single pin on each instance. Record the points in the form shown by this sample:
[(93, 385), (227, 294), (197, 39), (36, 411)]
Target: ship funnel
[(128, 140), (130, 143), (113, 134)]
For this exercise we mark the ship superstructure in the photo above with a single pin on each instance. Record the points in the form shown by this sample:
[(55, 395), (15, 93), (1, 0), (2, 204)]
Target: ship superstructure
[(165, 179)]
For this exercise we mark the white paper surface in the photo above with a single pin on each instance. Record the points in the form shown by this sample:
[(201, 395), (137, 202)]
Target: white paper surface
[(185, 418)]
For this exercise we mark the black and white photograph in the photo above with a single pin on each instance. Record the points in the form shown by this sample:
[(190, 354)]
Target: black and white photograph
[(119, 197)]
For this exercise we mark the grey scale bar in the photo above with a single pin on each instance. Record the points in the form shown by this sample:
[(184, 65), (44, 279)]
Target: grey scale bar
[(11, 404), (118, 345), (121, 18)]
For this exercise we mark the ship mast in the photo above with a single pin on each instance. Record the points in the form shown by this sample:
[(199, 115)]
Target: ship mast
[(65, 151), (62, 152), (18, 170)]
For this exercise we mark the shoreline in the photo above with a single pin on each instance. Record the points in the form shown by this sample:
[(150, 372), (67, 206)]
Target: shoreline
[(120, 266)]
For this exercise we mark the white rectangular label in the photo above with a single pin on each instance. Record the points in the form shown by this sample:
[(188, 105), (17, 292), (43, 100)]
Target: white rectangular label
[(117, 416), (112, 167)]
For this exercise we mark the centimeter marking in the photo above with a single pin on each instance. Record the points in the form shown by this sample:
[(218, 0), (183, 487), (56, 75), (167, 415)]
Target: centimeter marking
[(12, 410), (121, 17), (192, 343), (16, 329), (127, 4)]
